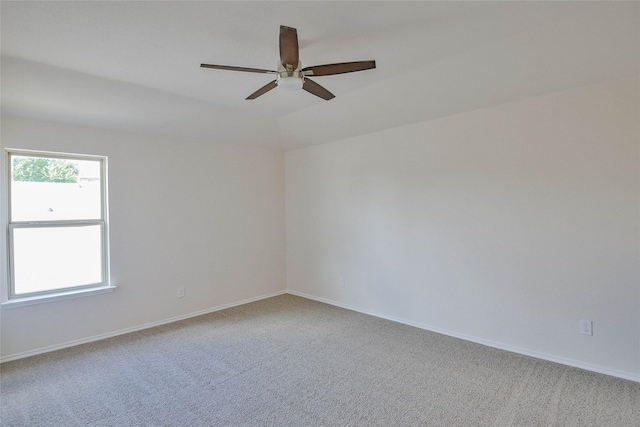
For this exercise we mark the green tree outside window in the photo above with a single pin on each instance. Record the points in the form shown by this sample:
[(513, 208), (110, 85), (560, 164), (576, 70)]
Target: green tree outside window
[(38, 169)]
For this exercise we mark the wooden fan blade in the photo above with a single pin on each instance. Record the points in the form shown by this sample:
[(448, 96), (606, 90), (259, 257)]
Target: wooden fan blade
[(289, 46), (230, 68), (341, 68), (264, 89), (314, 88)]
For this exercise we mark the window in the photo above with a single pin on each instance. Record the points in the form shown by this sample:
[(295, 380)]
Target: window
[(57, 228)]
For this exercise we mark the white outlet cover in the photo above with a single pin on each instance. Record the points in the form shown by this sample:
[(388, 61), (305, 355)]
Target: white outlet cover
[(586, 327)]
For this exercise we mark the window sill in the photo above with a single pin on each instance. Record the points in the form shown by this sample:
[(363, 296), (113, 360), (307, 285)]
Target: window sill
[(19, 302)]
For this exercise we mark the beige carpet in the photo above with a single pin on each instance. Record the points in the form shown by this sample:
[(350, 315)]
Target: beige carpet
[(288, 361)]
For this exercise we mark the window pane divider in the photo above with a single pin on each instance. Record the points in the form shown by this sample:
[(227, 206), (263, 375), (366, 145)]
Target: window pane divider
[(64, 223)]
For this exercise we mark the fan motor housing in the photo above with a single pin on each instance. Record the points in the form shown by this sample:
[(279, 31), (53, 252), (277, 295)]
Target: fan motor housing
[(289, 79)]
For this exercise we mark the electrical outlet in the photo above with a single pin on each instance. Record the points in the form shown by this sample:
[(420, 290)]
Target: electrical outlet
[(180, 292), (342, 282), (586, 327)]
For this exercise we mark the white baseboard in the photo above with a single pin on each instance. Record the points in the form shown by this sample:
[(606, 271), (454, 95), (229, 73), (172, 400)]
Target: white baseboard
[(551, 358), (48, 349)]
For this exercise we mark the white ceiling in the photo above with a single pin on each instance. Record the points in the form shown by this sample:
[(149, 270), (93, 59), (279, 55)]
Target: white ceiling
[(134, 66)]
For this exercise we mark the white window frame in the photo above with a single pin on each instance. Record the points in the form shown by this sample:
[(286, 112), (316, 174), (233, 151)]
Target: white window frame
[(13, 299)]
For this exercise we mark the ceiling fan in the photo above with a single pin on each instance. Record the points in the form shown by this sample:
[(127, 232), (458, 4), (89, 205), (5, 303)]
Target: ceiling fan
[(291, 75)]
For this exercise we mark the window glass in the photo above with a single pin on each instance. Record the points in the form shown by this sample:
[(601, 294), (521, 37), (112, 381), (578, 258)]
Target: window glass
[(49, 258), (54, 189)]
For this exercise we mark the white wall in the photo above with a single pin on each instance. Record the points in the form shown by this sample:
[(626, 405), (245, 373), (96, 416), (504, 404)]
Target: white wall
[(206, 217), (504, 225)]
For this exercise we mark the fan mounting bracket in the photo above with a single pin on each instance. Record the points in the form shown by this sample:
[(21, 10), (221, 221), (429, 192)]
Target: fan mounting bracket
[(288, 70)]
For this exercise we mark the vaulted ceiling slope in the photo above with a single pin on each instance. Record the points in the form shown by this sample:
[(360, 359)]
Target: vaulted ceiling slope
[(134, 66)]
